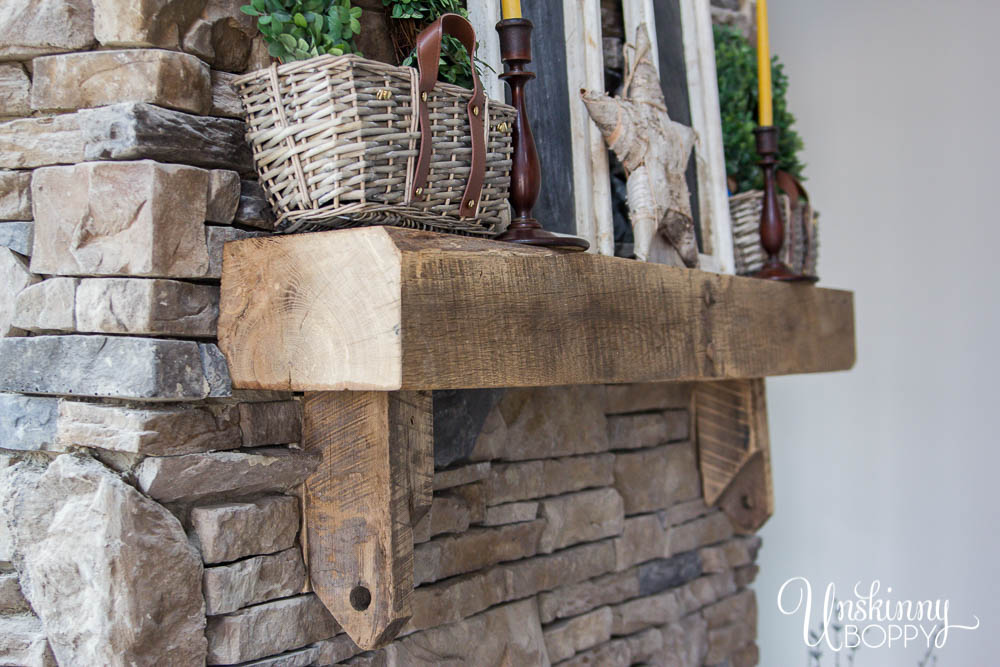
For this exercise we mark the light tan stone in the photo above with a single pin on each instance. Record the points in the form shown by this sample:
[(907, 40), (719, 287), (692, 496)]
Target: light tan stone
[(144, 22), (685, 511), (30, 28), (685, 643), (11, 598), (120, 218), (645, 612), (726, 556), (460, 597), (254, 580), (534, 479), (705, 590), (15, 195), (648, 429), (222, 35), (47, 306), (473, 550), (726, 640), (467, 474), (506, 635), (223, 196), (544, 422), (631, 398), (150, 431), (266, 629), (738, 608), (34, 142), (225, 100), (474, 496), (77, 517), (709, 529), (194, 476), (14, 278), (565, 638), (581, 597), (744, 576), (143, 306), (332, 651), (23, 642), (643, 538), (168, 79), (229, 531), (499, 515), (657, 478), (573, 473), (515, 481), (449, 514), (747, 656), (15, 90), (580, 517)]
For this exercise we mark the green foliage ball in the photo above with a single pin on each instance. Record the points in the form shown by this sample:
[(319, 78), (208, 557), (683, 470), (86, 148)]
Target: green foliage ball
[(301, 29), (736, 63)]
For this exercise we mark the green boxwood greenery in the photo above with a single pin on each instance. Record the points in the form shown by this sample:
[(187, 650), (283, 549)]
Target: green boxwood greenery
[(454, 64), (301, 29), (736, 63)]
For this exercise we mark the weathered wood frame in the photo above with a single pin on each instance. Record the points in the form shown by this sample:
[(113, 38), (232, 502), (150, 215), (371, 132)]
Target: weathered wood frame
[(706, 119)]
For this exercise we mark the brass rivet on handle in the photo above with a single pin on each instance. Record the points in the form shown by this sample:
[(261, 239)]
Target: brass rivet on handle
[(423, 96), (472, 203), (419, 191), (475, 111)]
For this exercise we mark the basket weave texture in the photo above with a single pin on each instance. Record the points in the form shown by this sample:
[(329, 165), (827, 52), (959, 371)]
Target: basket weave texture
[(801, 248), (335, 141)]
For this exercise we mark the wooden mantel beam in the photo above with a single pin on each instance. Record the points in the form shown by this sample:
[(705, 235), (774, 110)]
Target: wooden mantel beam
[(385, 309)]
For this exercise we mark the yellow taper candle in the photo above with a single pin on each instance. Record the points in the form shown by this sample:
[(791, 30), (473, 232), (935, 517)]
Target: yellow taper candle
[(765, 104), (511, 9)]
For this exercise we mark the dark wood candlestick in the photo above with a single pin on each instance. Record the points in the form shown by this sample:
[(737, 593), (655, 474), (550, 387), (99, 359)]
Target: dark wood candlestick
[(772, 230), (526, 173)]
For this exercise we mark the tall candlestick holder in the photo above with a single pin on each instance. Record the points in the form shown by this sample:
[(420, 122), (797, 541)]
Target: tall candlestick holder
[(526, 173), (772, 230)]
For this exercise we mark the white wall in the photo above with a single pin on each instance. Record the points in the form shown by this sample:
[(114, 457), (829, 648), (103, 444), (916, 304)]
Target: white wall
[(892, 471)]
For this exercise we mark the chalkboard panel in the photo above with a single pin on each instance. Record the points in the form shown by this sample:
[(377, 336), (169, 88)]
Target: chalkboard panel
[(673, 80), (548, 112)]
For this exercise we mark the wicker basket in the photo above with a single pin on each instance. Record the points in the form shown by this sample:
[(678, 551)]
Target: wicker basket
[(336, 142), (801, 247)]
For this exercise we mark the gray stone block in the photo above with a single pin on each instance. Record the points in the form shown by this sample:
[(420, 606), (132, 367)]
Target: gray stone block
[(30, 28), (106, 366), (216, 238), (27, 422), (254, 211), (216, 370), (17, 236), (658, 575)]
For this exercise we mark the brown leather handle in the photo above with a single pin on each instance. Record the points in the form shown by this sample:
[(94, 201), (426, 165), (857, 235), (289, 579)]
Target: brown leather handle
[(428, 57)]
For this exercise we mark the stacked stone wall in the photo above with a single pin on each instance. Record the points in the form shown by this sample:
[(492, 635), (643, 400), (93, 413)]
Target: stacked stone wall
[(150, 511)]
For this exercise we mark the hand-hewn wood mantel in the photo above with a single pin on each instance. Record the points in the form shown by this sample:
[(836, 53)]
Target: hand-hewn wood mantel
[(383, 311)]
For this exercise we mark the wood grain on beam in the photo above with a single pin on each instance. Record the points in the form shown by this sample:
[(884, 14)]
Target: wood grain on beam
[(376, 447), (385, 308)]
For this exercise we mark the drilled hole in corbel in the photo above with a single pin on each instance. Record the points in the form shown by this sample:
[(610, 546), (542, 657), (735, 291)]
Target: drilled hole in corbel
[(360, 597)]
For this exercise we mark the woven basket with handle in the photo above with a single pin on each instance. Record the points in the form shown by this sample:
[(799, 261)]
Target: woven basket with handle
[(342, 141)]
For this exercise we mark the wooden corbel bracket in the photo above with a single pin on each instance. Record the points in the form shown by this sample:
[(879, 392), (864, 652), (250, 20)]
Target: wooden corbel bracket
[(375, 481)]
